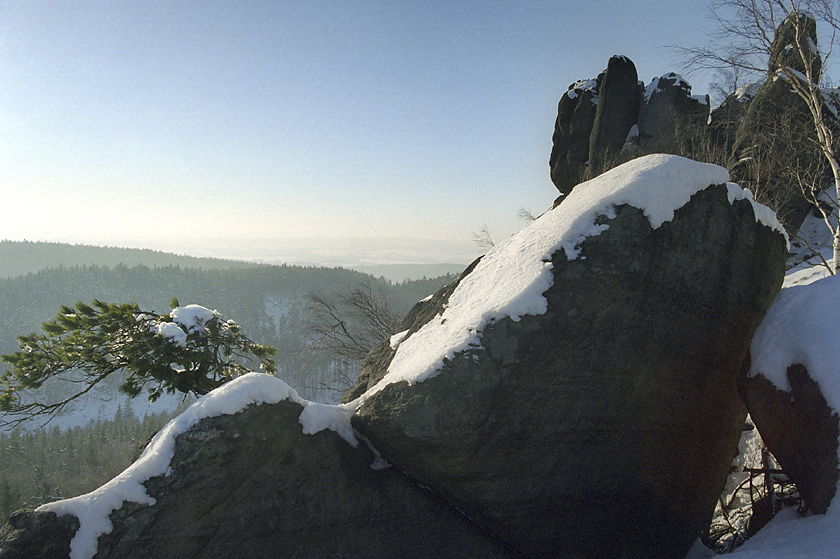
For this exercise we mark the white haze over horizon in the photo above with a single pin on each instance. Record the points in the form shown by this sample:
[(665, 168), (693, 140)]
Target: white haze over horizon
[(305, 251)]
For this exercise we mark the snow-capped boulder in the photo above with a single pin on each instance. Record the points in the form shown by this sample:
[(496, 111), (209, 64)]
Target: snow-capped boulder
[(800, 429), (791, 387), (251, 470), (575, 392)]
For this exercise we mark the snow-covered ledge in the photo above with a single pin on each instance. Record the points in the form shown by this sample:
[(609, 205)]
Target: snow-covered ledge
[(94, 508)]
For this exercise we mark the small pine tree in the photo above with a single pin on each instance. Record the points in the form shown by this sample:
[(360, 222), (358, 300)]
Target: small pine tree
[(190, 350)]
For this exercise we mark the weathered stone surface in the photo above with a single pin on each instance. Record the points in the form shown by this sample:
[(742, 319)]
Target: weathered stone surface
[(253, 485), (37, 535), (606, 426), (667, 105), (800, 429), (726, 118), (572, 129), (783, 53), (619, 94), (760, 139), (767, 150), (595, 118), (375, 364)]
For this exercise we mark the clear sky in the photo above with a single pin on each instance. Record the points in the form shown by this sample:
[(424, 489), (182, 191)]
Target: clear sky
[(169, 124)]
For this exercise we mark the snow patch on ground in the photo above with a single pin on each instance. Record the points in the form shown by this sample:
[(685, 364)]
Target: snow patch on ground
[(93, 509)]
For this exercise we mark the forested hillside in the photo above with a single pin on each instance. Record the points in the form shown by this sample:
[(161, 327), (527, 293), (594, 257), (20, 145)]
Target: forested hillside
[(269, 302), (23, 257), (88, 446)]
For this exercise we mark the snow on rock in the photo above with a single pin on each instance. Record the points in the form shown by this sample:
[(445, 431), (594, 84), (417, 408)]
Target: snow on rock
[(397, 338), (93, 509), (762, 213), (678, 80), (510, 280), (802, 326), (583, 85)]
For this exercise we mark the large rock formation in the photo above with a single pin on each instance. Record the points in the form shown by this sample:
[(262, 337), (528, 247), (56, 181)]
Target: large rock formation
[(765, 136), (667, 110), (801, 431), (612, 118), (775, 138), (618, 110), (606, 425), (572, 395), (253, 485)]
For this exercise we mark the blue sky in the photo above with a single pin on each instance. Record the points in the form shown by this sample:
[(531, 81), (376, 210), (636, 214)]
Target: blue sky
[(167, 124)]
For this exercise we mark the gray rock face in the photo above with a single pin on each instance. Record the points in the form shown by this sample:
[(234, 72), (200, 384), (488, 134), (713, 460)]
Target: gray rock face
[(572, 129), (783, 54), (767, 150), (668, 103), (606, 426), (252, 485), (618, 106), (37, 535), (800, 429)]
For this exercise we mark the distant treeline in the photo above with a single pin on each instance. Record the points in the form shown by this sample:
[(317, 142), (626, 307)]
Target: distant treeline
[(22, 257)]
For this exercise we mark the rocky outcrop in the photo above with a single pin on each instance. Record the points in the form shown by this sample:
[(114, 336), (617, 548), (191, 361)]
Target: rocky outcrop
[(768, 154), (605, 121), (800, 429), (37, 535), (790, 386), (590, 412), (667, 109), (253, 485), (764, 135), (606, 425), (618, 109)]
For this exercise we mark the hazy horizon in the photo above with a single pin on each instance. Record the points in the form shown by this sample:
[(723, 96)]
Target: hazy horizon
[(178, 124)]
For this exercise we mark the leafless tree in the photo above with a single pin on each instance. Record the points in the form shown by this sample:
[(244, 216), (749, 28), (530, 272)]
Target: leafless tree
[(351, 323), (747, 38), (483, 238)]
